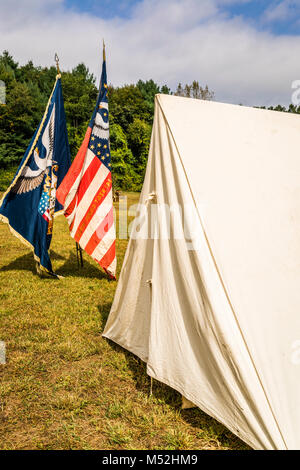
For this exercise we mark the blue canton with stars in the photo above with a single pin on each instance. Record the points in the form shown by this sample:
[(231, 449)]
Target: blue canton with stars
[(44, 203), (99, 141)]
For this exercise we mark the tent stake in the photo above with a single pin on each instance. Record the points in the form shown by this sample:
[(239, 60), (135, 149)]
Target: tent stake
[(151, 386)]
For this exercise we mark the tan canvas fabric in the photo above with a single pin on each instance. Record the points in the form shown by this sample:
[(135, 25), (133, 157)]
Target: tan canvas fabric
[(187, 404), (219, 322)]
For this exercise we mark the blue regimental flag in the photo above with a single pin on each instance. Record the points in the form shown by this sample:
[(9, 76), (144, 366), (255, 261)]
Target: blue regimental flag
[(29, 204)]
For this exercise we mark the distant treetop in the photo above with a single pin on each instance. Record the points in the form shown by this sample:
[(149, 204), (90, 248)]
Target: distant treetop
[(195, 90)]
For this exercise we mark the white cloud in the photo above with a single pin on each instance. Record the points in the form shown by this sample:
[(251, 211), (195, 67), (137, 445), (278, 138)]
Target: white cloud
[(167, 40), (282, 11)]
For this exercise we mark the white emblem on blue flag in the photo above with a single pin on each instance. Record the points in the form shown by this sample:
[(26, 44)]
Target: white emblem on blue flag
[(30, 179)]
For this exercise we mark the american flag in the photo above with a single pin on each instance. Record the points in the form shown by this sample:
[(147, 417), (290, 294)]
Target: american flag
[(86, 191)]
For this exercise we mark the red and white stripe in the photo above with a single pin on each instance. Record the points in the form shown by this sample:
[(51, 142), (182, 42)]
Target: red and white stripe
[(46, 215), (86, 194)]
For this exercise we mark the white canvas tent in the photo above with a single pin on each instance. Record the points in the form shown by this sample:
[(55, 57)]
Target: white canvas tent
[(218, 318)]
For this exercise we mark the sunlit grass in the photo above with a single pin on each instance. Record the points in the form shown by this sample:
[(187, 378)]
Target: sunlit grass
[(64, 386), (6, 176)]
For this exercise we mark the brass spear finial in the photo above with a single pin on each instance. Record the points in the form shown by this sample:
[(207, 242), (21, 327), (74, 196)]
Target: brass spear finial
[(104, 58), (56, 58)]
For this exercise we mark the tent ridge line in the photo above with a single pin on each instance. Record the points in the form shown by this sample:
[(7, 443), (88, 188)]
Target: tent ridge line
[(220, 276)]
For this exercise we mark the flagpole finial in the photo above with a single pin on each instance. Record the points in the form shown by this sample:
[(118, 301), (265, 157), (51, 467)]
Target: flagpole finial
[(104, 58), (56, 58)]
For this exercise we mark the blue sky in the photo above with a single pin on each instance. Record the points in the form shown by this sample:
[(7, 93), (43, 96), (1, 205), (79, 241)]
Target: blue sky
[(104, 8), (245, 51), (283, 16), (254, 12)]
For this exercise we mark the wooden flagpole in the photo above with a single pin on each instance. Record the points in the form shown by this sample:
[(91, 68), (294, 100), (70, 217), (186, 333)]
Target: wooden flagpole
[(79, 255), (78, 247)]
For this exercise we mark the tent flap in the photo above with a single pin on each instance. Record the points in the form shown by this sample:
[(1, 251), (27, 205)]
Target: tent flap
[(213, 306)]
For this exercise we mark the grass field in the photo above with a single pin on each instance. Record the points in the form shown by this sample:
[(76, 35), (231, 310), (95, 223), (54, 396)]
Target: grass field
[(6, 177), (66, 387)]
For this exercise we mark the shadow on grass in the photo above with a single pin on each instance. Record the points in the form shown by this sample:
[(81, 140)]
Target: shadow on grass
[(26, 263), (164, 394), (54, 255), (70, 268), (104, 310)]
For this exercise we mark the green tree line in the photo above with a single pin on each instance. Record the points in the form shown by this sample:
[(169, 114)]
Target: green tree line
[(131, 114)]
